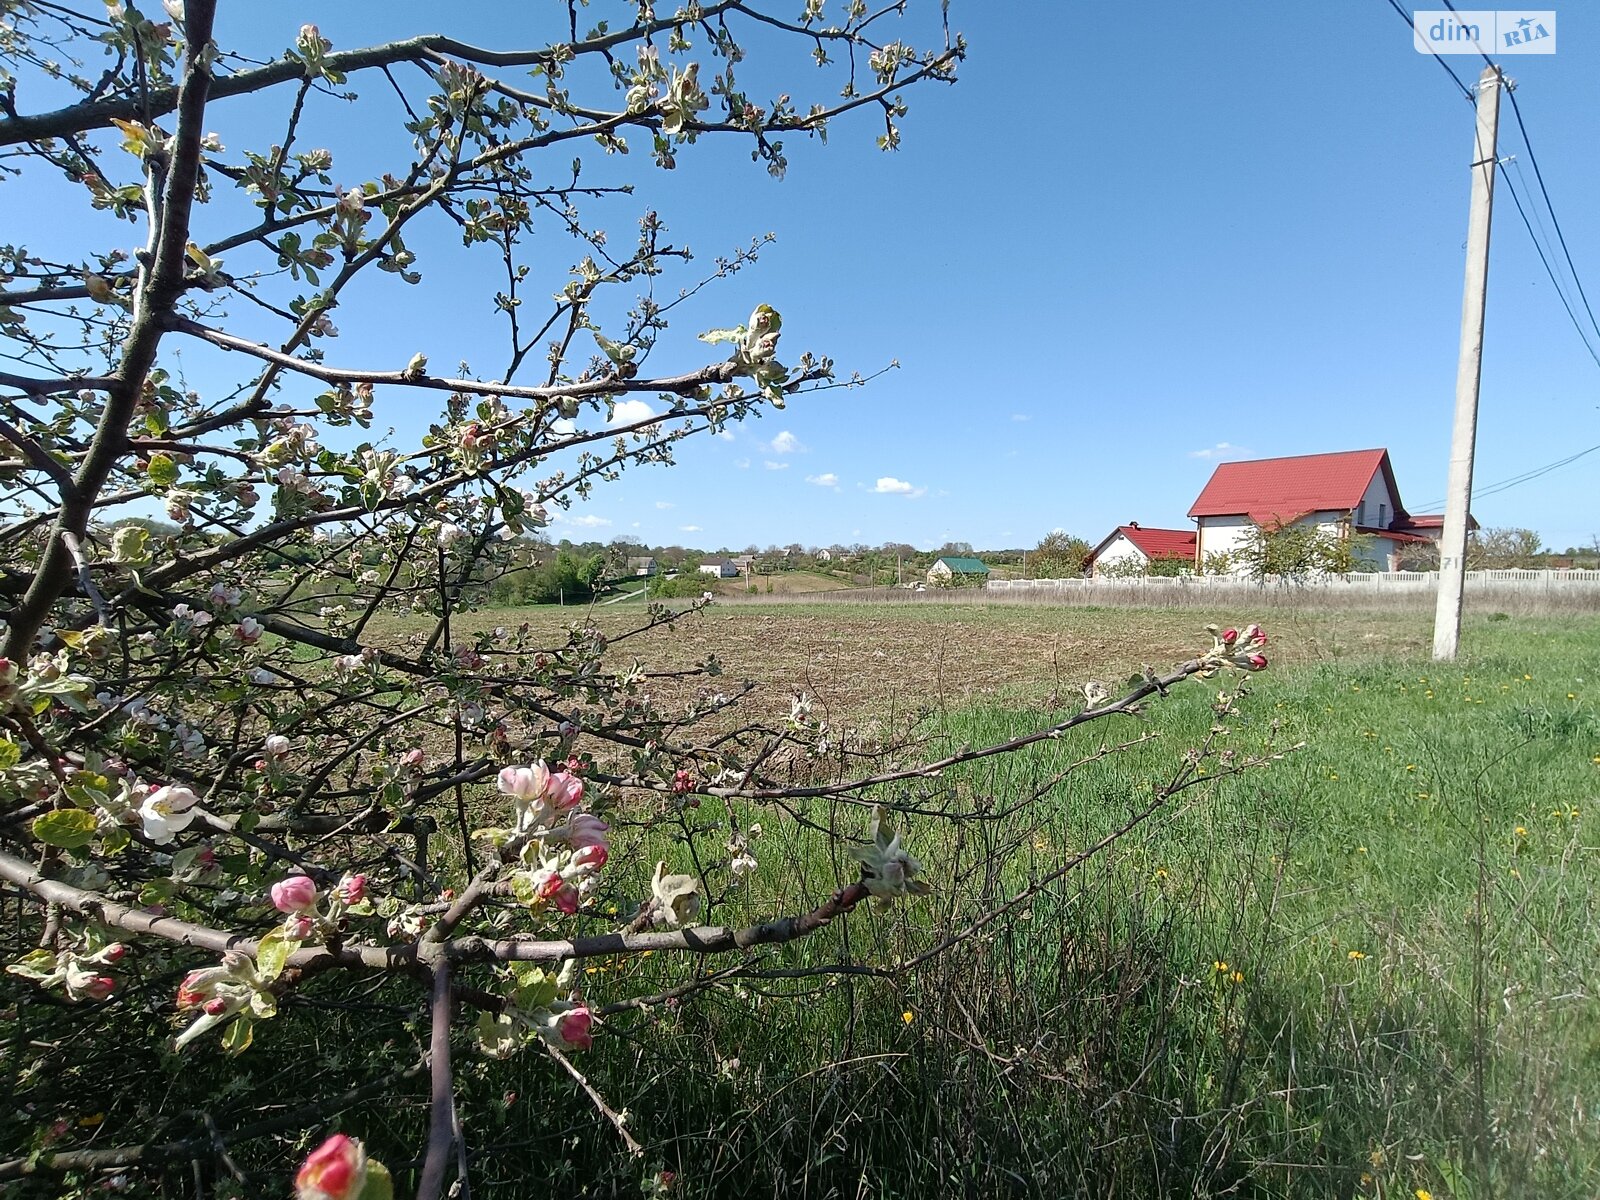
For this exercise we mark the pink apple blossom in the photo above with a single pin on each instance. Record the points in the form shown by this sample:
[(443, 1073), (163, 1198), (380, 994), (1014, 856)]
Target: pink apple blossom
[(298, 927), (353, 888), (335, 1170), (574, 1028), (294, 895), (525, 783), (593, 856), (582, 830), (565, 790)]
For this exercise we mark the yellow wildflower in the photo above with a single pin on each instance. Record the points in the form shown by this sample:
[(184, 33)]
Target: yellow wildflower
[(908, 1016)]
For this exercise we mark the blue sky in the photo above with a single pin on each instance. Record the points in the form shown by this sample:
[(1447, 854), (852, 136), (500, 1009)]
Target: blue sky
[(1131, 240)]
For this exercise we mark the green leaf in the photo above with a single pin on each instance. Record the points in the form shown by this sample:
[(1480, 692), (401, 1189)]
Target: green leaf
[(10, 754), (162, 471), (238, 1036), (36, 964), (379, 1185), (273, 954), (158, 891), (67, 828), (713, 336)]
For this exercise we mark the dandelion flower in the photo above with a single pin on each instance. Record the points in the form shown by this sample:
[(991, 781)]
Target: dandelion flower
[(908, 1016), (1355, 956)]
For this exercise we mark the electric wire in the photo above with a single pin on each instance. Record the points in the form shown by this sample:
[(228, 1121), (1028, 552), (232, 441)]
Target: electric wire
[(1505, 485), (1538, 175)]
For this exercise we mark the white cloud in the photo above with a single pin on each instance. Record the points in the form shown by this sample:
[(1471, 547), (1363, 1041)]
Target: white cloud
[(688, 529), (636, 524), (1021, 417), (725, 434), (890, 486), (785, 443), (775, 466), (1220, 450), (626, 412), (743, 464), (827, 479), (586, 521), (664, 504)]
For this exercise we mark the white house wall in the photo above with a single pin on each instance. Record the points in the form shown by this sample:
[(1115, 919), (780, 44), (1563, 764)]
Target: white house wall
[(1120, 551), (1222, 535), (1378, 502)]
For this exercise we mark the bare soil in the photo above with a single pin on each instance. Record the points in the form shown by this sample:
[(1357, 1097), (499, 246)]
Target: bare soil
[(862, 662)]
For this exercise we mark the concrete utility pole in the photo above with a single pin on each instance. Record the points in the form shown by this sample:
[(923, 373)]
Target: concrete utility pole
[(1469, 369)]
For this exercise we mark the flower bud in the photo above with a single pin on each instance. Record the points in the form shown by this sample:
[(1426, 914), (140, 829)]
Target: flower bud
[(1258, 662), (525, 783), (574, 1028), (215, 1007), (564, 790), (353, 888), (115, 952), (335, 1170), (294, 895), (593, 857), (189, 995), (99, 987), (298, 927), (1230, 636), (277, 745)]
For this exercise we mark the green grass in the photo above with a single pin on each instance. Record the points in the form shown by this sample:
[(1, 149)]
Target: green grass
[(1408, 910)]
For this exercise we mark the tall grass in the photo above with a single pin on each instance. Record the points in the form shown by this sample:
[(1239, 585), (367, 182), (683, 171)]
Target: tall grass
[(1365, 970)]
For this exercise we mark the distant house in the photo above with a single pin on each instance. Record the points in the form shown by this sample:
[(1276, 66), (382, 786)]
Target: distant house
[(743, 562), (950, 568), (824, 555), (642, 566), (721, 568), (1352, 491), (1133, 547)]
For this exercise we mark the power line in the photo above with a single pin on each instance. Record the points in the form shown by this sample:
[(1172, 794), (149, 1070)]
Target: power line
[(1506, 485), (1554, 220), (1555, 281), (1560, 294), (1437, 57), (1538, 175)]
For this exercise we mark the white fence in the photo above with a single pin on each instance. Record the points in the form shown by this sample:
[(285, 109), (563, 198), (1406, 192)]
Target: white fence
[(1425, 581), (1524, 593)]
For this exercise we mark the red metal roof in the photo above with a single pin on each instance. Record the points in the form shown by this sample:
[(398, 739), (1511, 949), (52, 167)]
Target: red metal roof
[(1274, 490), (1153, 543)]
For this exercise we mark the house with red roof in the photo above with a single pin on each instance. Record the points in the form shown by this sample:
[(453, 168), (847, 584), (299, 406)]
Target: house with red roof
[(1352, 491), (1131, 548)]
